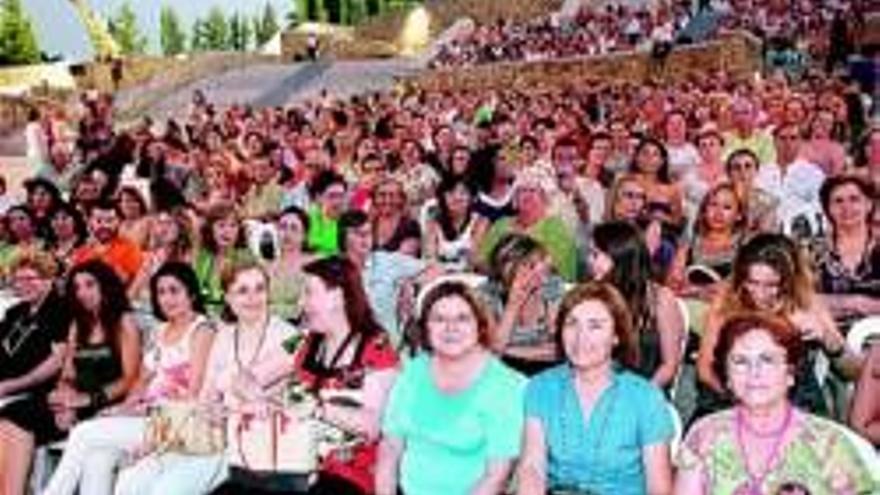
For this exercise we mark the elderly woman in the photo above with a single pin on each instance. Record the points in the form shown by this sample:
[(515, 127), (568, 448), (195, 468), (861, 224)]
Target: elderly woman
[(765, 443), (445, 429), (591, 425), (534, 218), (770, 274), (847, 260)]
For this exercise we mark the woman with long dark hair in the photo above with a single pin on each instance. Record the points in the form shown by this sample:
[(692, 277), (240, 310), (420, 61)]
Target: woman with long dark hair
[(101, 362), (771, 274), (620, 257), (457, 230), (651, 165), (174, 368)]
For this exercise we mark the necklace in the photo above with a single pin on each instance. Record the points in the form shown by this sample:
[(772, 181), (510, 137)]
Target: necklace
[(257, 350), (756, 480)]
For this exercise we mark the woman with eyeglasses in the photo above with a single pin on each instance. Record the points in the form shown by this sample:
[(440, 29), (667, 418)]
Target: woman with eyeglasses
[(864, 416), (28, 364), (770, 274), (454, 419), (766, 443)]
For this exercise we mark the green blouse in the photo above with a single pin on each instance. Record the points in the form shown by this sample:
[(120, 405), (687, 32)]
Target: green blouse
[(820, 458)]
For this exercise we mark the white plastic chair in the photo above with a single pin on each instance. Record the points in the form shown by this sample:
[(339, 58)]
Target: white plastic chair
[(861, 331), (686, 318)]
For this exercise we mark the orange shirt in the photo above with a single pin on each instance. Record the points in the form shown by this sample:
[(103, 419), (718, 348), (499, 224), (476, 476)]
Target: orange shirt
[(121, 254)]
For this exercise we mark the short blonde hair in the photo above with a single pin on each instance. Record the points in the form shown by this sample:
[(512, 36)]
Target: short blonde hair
[(39, 261)]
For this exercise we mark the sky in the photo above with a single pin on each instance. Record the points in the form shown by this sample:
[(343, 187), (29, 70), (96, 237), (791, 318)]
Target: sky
[(60, 32)]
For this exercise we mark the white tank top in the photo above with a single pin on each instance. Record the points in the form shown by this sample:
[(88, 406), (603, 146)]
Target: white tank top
[(454, 253)]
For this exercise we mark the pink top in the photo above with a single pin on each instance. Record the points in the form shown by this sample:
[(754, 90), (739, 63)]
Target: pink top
[(170, 365)]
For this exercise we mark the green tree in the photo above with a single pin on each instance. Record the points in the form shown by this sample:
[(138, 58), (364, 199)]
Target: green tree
[(171, 35), (266, 26), (334, 11), (124, 29), (239, 32), (375, 7), (216, 30), (197, 38), (18, 44), (357, 11)]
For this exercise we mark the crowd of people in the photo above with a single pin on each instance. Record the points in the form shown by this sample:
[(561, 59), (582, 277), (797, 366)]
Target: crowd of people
[(593, 30), (470, 287), (794, 32)]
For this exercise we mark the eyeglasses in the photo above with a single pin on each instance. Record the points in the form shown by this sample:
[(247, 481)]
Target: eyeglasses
[(740, 364), (456, 321), (24, 279)]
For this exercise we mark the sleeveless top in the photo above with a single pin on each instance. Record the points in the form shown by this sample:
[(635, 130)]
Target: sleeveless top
[(172, 364), (720, 263), (453, 254), (95, 366), (356, 463)]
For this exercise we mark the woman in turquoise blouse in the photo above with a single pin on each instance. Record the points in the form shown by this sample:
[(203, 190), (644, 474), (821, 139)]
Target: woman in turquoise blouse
[(453, 423), (592, 426)]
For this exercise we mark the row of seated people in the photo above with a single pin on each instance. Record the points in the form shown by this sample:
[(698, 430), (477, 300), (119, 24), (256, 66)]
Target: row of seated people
[(447, 412)]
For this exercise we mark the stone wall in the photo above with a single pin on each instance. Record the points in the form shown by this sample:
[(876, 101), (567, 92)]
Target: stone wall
[(737, 53)]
